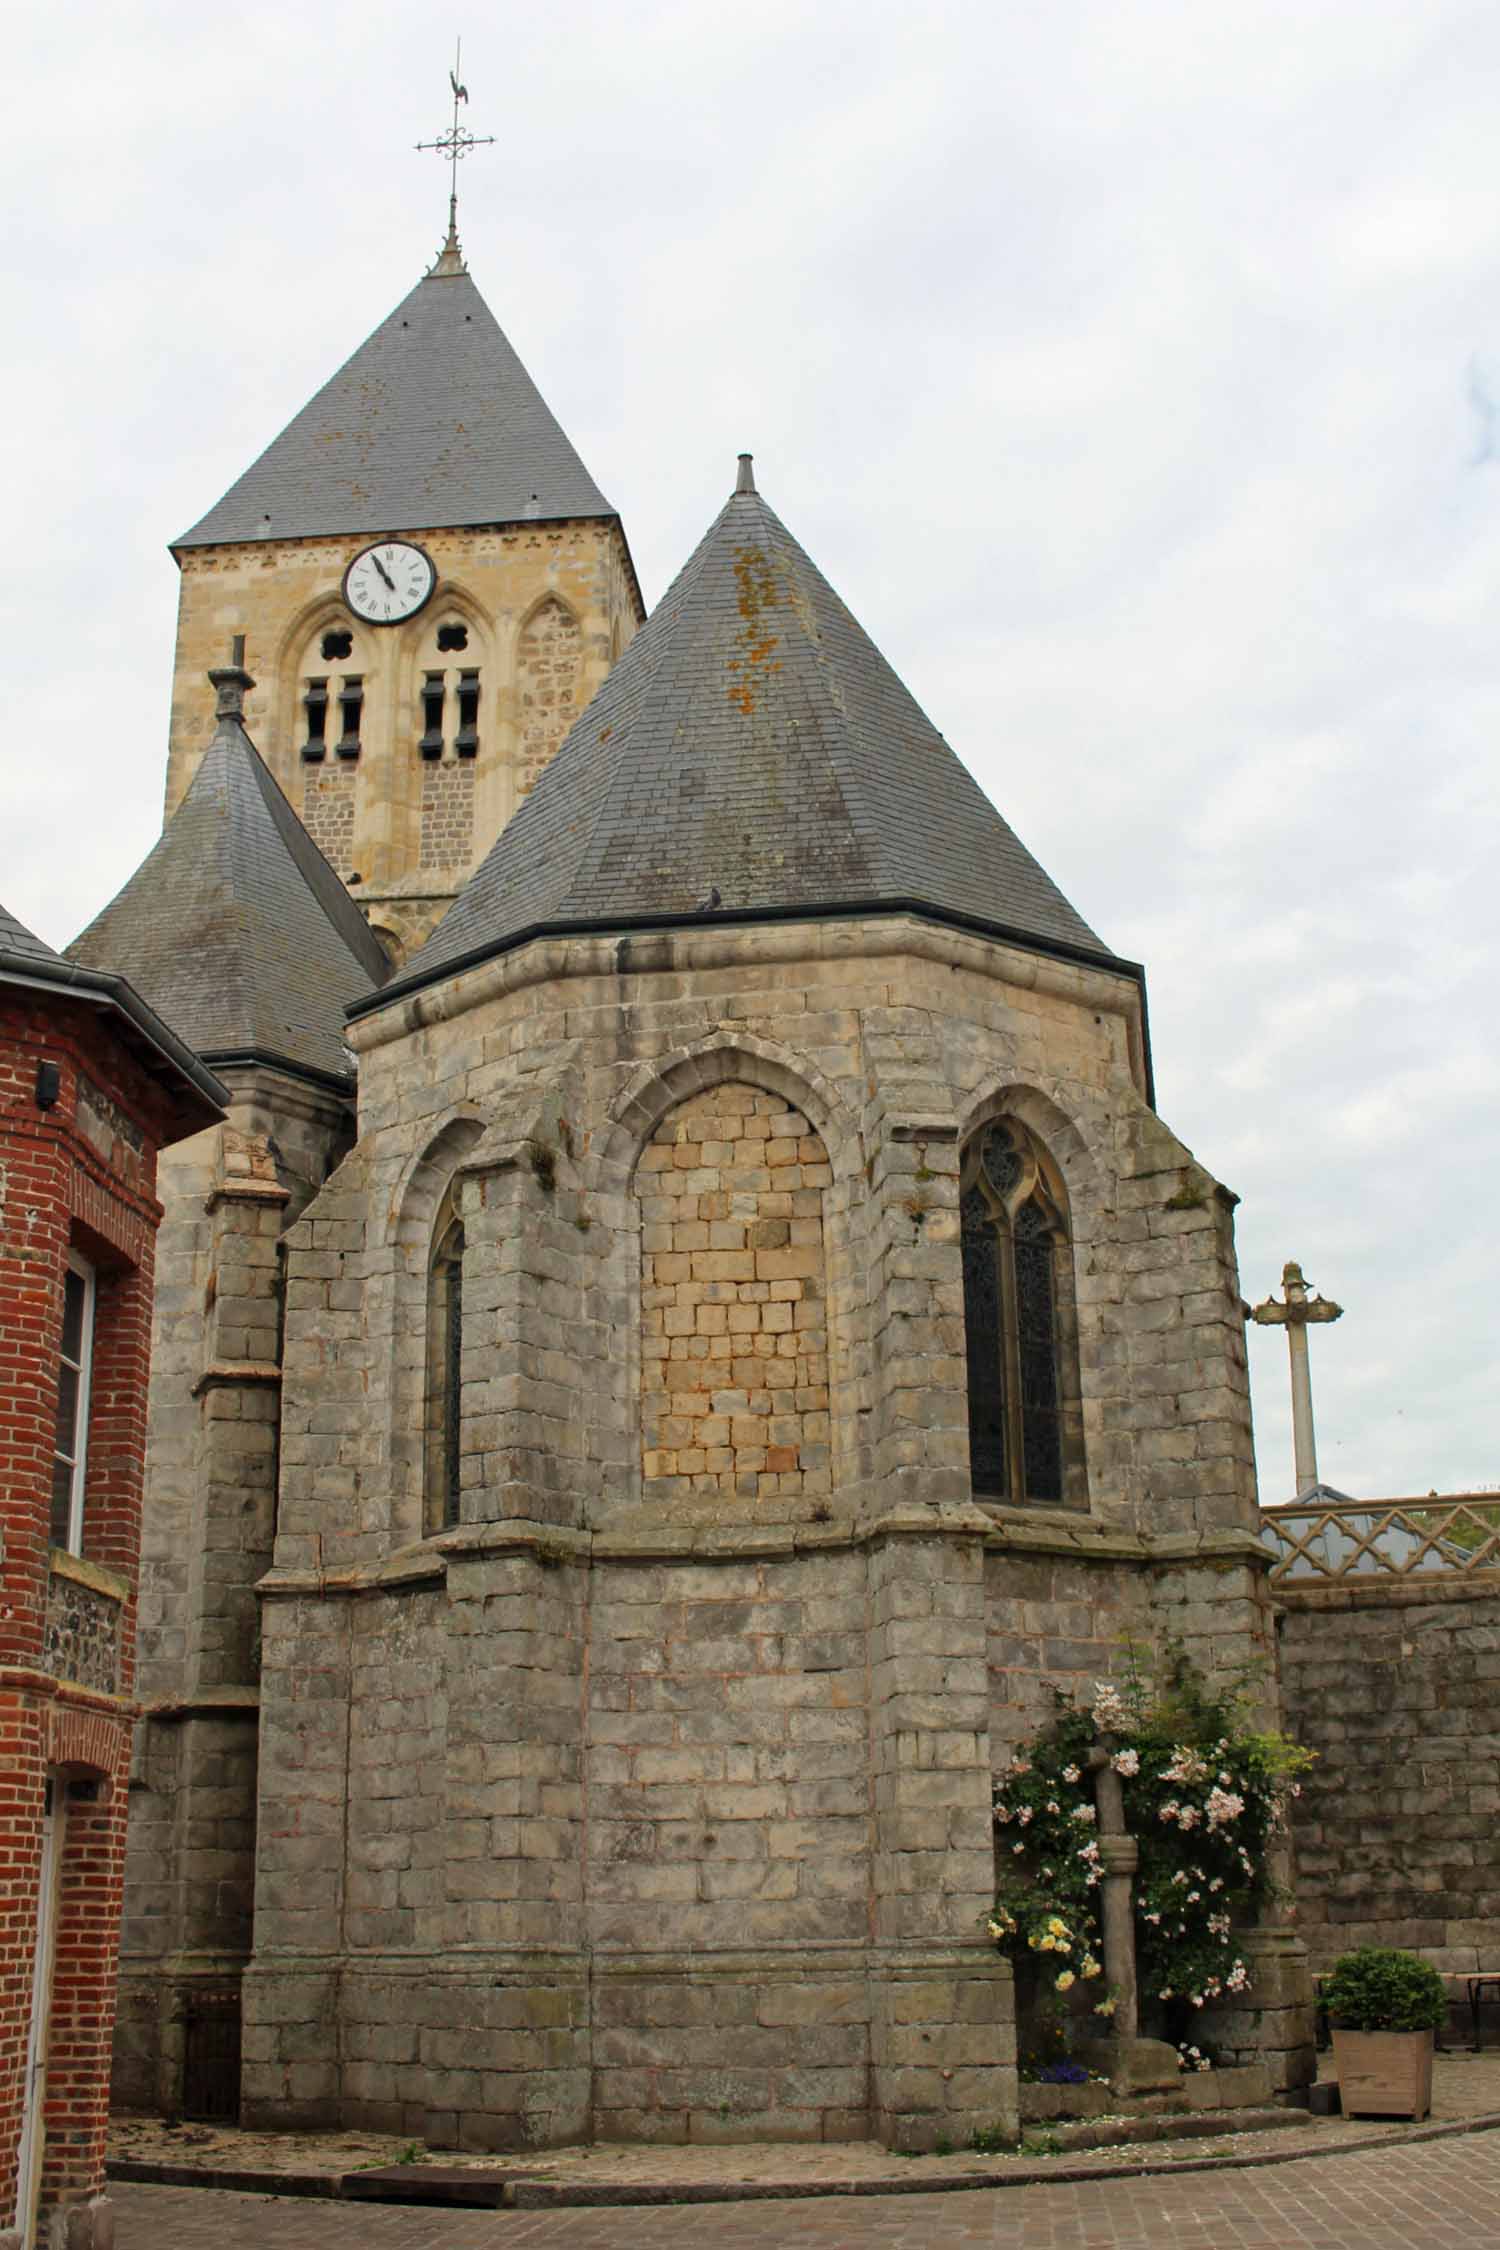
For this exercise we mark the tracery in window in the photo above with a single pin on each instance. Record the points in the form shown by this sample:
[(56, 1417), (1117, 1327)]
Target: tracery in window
[(445, 1327), (1014, 1235)]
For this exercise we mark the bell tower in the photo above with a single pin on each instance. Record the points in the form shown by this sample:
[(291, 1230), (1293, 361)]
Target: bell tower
[(431, 587)]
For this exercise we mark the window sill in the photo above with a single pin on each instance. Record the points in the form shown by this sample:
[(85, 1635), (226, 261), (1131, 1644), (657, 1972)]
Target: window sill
[(64, 1564)]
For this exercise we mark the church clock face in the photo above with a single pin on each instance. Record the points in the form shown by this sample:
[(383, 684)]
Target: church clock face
[(389, 582)]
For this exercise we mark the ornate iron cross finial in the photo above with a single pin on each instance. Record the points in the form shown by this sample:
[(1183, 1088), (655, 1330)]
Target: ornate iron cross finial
[(454, 145)]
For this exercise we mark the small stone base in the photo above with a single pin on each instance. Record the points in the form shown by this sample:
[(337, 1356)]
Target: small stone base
[(81, 2226), (1245, 2087)]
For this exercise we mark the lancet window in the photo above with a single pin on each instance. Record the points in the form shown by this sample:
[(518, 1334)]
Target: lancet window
[(1015, 1248), (445, 1331)]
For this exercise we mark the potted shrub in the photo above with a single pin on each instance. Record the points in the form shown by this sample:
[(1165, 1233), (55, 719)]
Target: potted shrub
[(1383, 2009)]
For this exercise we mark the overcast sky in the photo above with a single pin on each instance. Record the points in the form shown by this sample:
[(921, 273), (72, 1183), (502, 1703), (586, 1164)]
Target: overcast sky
[(1131, 368)]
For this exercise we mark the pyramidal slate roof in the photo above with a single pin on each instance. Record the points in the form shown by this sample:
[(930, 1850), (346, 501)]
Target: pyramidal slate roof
[(752, 755), (434, 421), (235, 926)]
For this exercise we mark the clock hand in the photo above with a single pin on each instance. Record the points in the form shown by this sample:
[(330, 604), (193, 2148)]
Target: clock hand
[(385, 574)]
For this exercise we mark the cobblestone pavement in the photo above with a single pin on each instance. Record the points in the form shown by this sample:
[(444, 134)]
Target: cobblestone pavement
[(1464, 2086), (1435, 2195)]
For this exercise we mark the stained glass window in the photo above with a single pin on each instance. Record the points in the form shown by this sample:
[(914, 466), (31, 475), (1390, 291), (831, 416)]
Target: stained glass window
[(1012, 1235), (445, 1328)]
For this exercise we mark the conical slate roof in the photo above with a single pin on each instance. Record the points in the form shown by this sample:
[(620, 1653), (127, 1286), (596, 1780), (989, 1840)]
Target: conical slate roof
[(434, 421), (235, 926), (753, 743)]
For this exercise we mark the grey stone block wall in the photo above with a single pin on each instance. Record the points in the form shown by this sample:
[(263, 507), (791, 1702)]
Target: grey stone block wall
[(629, 1808), (1394, 1685)]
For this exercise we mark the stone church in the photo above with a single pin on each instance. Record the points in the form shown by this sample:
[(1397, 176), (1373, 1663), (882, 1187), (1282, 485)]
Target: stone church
[(691, 1323)]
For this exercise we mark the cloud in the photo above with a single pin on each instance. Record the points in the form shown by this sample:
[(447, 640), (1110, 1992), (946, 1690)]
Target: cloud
[(1126, 367)]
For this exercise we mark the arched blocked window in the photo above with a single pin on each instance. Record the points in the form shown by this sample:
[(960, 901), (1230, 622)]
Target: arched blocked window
[(445, 1337), (1018, 1319), (548, 676)]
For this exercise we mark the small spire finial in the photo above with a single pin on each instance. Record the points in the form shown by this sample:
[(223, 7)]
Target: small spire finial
[(745, 482), (231, 683), (455, 144)]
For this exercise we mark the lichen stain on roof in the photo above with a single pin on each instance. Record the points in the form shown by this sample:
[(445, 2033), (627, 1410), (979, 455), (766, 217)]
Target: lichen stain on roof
[(757, 585), (760, 747)]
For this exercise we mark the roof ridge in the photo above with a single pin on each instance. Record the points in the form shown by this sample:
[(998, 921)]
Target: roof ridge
[(673, 599), (822, 657), (322, 880)]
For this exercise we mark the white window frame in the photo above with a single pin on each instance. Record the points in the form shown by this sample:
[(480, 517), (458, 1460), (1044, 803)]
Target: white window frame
[(85, 1368)]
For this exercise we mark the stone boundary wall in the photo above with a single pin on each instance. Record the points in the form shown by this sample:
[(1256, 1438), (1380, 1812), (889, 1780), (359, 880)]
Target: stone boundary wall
[(1394, 1683)]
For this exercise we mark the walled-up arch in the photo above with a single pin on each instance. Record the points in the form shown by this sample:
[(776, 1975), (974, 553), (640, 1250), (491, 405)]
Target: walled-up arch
[(549, 685), (730, 1170), (448, 754), (659, 1086), (328, 686)]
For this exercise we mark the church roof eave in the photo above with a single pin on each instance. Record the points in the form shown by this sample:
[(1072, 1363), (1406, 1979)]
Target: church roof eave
[(408, 985), (27, 962)]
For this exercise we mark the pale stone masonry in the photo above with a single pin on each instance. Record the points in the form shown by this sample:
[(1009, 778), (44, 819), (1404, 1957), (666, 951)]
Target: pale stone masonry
[(734, 1332), (651, 1800), (547, 608)]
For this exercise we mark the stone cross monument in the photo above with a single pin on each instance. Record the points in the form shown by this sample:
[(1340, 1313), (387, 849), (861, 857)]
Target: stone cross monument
[(1302, 1305), (1132, 2064)]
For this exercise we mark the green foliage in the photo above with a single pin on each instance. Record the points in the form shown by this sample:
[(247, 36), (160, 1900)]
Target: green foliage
[(991, 2140), (1203, 1792), (1378, 1988)]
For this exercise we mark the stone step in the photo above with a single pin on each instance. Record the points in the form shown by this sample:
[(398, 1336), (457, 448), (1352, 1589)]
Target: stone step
[(1128, 2129), (444, 2185)]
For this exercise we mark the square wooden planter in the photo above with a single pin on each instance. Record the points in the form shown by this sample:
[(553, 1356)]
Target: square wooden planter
[(1384, 2073)]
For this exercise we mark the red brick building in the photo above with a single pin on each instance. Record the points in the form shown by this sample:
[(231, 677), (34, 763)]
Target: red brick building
[(92, 1085)]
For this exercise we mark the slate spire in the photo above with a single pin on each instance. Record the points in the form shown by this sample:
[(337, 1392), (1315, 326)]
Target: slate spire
[(433, 423), (752, 755), (234, 926)]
